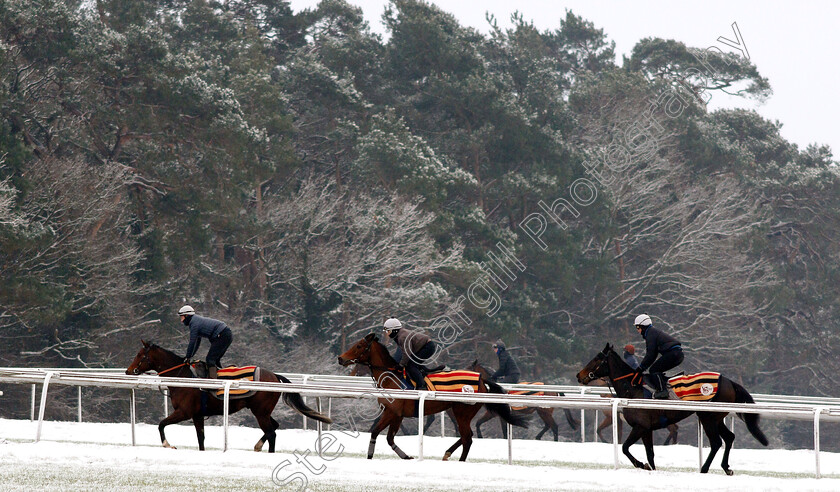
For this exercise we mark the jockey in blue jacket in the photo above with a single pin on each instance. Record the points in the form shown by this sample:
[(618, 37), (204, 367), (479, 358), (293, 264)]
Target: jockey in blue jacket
[(214, 330), (660, 344)]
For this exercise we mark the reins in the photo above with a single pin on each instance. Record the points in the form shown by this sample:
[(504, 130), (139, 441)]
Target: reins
[(172, 368)]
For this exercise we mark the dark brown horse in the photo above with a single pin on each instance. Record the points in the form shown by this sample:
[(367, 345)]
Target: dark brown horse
[(192, 403), (644, 421), (370, 352), (546, 414)]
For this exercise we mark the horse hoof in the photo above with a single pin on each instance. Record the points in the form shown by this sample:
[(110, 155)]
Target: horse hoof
[(409, 458), (647, 467), (446, 456), (729, 472)]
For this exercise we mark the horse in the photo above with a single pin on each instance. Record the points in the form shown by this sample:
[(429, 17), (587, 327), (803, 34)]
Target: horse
[(644, 421), (546, 414), (673, 429), (192, 403), (370, 352)]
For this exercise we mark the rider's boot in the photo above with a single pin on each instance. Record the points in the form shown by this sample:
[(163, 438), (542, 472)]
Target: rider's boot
[(661, 392), (212, 371)]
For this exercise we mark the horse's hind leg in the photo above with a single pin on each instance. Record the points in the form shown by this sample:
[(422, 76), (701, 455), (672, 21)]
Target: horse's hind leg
[(268, 426), (466, 434), (710, 425), (673, 434), (487, 415), (198, 422), (603, 425), (266, 437), (728, 439)]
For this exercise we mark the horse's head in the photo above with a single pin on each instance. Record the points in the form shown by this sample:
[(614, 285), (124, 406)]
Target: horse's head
[(359, 352), (597, 367), (143, 360)]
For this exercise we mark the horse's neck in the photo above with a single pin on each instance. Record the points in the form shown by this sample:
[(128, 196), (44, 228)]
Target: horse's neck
[(380, 362), (168, 360), (379, 356), (482, 370), (620, 377)]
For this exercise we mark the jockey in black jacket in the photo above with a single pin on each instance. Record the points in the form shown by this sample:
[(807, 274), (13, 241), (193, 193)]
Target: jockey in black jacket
[(508, 370), (661, 344), (214, 330)]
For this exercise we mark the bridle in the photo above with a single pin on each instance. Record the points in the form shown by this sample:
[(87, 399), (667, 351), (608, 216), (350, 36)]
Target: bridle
[(603, 357), (149, 360)]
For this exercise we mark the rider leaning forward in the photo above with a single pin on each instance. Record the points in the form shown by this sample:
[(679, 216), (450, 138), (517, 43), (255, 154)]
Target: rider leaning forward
[(659, 344)]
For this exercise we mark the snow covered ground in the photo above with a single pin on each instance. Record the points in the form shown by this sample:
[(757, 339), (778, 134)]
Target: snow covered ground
[(87, 456)]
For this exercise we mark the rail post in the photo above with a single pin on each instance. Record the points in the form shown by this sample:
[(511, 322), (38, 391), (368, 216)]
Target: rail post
[(420, 419), (583, 419), (80, 404), (225, 412), (510, 443), (43, 404), (817, 412), (614, 430), (318, 424), (133, 416), (32, 409), (305, 377)]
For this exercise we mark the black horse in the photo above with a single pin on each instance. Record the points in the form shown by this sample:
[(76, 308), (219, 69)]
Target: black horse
[(644, 421)]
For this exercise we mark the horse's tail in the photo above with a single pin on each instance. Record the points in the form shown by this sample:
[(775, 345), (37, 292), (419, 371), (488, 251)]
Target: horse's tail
[(295, 401), (502, 409), (573, 423), (751, 419)]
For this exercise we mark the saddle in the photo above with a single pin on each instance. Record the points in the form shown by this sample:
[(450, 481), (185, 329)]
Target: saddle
[(701, 386), (246, 373)]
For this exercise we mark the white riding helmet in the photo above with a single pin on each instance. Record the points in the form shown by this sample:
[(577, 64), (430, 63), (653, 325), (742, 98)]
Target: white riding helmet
[(642, 320), (392, 324), (186, 311)]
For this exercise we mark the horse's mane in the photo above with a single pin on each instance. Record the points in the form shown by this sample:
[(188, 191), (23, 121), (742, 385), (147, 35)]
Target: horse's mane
[(389, 360), (153, 345), (620, 358)]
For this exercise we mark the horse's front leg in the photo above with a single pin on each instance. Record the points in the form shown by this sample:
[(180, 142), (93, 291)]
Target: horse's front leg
[(176, 416), (392, 431), (198, 422), (380, 423), (635, 433), (647, 439)]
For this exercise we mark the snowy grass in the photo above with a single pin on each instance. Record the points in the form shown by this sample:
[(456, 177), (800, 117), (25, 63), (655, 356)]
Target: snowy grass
[(73, 456)]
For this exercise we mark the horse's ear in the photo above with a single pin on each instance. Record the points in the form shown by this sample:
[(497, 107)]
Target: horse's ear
[(475, 363), (145, 343), (608, 348), (370, 337)]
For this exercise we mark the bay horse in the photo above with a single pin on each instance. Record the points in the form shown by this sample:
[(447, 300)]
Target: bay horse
[(644, 421), (546, 414), (370, 352), (192, 403)]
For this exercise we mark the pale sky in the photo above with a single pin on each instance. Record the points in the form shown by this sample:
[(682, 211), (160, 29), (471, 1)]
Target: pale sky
[(796, 45)]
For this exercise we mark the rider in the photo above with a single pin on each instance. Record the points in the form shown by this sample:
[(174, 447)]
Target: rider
[(416, 348), (214, 330), (630, 357), (508, 370), (657, 343)]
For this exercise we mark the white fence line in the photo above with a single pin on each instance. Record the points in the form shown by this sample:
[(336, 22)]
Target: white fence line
[(808, 411)]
